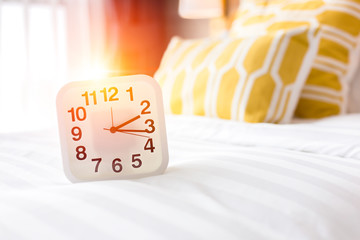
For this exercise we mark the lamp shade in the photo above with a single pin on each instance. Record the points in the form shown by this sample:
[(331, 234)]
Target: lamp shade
[(195, 9)]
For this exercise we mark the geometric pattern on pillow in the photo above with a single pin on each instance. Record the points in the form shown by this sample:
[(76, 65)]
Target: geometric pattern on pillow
[(326, 90), (252, 79)]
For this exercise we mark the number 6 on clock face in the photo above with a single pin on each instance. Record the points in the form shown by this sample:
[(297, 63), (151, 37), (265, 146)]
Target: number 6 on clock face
[(112, 129)]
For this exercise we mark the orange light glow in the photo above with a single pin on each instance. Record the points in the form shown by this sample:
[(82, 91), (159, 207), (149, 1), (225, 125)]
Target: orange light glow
[(95, 71)]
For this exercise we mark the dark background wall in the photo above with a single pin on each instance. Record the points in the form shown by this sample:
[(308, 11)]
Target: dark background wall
[(138, 31)]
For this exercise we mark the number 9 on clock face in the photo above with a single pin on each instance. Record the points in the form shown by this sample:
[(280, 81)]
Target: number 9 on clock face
[(112, 129)]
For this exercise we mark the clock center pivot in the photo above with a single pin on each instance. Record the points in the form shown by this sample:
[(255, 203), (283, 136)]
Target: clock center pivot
[(113, 129)]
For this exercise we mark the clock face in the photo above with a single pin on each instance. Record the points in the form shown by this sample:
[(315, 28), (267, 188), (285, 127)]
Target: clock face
[(112, 129)]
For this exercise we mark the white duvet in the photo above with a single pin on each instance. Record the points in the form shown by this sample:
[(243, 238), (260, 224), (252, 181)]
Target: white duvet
[(225, 180)]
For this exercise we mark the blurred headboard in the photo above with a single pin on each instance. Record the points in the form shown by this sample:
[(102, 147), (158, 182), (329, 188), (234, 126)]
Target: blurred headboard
[(354, 93)]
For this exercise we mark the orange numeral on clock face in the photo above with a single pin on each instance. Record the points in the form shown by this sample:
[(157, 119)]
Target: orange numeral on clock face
[(113, 91), (86, 95), (131, 94), (76, 132), (145, 109), (78, 114)]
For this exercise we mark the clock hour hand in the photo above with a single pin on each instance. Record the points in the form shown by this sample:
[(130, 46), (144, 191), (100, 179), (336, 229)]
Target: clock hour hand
[(114, 129)]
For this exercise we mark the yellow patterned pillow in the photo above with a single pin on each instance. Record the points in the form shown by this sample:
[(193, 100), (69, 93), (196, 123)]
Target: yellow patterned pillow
[(255, 79), (326, 89)]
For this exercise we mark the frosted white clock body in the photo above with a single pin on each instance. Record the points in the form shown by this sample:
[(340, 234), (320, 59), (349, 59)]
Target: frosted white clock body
[(112, 129)]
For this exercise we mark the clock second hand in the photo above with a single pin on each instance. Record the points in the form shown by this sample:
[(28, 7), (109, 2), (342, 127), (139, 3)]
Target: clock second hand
[(136, 134)]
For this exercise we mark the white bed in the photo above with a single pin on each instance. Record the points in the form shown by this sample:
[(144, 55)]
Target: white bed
[(225, 180)]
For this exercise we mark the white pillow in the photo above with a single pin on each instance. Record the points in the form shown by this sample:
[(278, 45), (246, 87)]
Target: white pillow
[(354, 93)]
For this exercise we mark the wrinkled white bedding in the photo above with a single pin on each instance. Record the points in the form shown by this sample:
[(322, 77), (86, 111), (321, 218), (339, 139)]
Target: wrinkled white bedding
[(225, 180), (336, 136)]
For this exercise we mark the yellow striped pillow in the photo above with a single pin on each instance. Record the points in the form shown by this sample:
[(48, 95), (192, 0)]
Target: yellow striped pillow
[(326, 89), (256, 79)]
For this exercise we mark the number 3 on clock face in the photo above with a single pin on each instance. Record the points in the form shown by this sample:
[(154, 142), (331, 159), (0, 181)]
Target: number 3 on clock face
[(112, 129)]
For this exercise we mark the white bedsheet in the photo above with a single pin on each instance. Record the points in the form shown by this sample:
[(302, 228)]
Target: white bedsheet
[(225, 180)]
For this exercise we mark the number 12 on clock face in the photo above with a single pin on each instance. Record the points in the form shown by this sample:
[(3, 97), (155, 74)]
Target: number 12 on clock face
[(112, 129)]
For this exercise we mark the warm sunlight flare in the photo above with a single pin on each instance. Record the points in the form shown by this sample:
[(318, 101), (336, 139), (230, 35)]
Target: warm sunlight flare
[(94, 71)]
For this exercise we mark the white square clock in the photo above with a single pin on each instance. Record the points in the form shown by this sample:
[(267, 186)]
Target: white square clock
[(112, 129)]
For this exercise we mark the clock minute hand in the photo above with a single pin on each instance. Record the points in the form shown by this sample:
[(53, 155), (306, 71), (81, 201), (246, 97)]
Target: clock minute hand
[(114, 129), (131, 130)]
